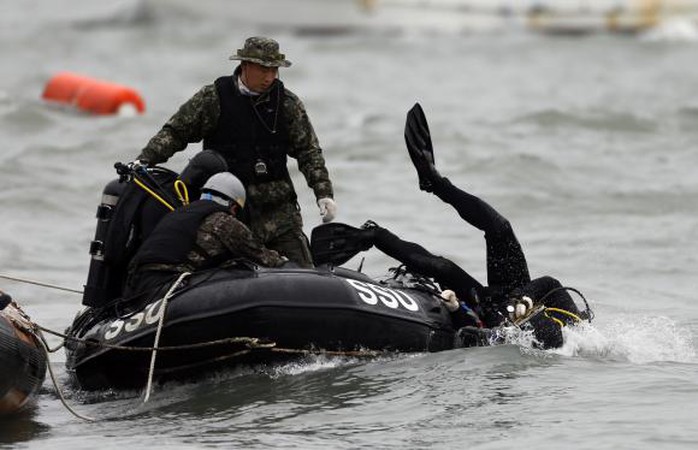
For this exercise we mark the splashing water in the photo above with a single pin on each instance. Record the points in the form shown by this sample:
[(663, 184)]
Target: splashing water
[(311, 364), (639, 340), (523, 338)]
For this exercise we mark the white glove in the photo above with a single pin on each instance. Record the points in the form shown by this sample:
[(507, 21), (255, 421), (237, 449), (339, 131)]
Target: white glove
[(328, 209), (450, 300), (520, 308)]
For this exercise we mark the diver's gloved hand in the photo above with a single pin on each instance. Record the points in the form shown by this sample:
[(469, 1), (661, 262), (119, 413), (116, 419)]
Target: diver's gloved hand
[(328, 209), (519, 308), (450, 300)]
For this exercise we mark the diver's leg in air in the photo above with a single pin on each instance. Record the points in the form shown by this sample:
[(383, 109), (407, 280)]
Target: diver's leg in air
[(506, 263), (420, 260)]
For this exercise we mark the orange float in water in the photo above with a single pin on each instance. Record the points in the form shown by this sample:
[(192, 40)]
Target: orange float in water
[(89, 94)]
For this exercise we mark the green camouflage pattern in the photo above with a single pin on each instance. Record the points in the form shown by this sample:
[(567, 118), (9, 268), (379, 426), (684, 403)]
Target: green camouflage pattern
[(220, 233), (281, 229), (263, 51), (273, 203)]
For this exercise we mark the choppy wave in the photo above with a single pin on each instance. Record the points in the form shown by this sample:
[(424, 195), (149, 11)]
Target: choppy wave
[(625, 122), (122, 14)]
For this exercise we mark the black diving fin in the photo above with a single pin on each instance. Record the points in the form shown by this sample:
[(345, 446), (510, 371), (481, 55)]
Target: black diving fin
[(419, 147), (336, 243)]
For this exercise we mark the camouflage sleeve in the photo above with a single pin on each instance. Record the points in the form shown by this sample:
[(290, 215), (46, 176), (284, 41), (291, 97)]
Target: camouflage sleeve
[(191, 123), (305, 147), (237, 238)]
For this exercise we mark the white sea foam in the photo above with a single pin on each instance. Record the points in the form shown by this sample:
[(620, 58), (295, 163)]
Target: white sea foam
[(640, 340)]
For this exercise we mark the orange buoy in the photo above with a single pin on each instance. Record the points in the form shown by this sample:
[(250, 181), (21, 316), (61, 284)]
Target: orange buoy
[(92, 95)]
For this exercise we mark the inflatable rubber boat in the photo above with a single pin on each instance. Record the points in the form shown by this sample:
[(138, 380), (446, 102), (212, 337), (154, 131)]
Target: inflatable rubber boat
[(248, 314), (22, 360), (252, 314)]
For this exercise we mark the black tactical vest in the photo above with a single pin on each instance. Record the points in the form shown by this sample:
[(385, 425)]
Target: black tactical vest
[(175, 235), (252, 135)]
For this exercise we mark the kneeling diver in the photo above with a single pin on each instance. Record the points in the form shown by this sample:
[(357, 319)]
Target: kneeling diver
[(202, 235)]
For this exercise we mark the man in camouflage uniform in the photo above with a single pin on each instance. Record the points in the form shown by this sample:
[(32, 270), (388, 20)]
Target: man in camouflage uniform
[(201, 235), (256, 123)]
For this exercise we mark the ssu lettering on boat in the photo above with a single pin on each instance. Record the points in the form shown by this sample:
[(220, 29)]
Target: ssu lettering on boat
[(371, 294), (148, 317)]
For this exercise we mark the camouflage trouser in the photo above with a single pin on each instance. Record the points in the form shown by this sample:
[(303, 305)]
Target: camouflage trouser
[(281, 229), (293, 245)]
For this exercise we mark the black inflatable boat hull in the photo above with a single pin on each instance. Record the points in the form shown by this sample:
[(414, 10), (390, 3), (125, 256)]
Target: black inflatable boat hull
[(333, 310)]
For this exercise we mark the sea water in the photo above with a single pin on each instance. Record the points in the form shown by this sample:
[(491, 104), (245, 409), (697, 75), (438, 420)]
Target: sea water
[(587, 145)]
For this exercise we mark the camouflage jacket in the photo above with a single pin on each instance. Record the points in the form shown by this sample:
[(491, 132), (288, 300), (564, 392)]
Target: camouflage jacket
[(198, 118), (221, 232)]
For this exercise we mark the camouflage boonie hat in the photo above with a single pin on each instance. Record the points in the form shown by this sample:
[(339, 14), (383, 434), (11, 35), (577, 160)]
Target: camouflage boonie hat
[(261, 50)]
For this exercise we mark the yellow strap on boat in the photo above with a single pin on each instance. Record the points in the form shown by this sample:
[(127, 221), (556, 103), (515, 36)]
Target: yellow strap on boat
[(182, 191), (151, 192)]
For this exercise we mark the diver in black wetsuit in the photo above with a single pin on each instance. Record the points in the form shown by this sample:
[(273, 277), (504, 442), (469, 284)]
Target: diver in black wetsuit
[(507, 271), (509, 282)]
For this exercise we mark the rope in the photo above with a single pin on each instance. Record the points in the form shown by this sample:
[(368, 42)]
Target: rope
[(45, 348), (165, 299), (350, 353), (39, 283), (252, 342)]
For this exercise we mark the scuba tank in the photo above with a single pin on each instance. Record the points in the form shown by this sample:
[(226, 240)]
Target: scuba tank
[(131, 207), (99, 281), (127, 215)]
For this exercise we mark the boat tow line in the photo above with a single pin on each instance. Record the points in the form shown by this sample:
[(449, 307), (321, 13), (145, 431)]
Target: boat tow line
[(39, 283), (252, 344), (22, 321), (165, 299)]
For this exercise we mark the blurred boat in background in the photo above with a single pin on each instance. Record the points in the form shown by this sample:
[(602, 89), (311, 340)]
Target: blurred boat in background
[(556, 17)]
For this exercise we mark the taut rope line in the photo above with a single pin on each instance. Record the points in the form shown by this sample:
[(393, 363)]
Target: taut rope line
[(39, 283)]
